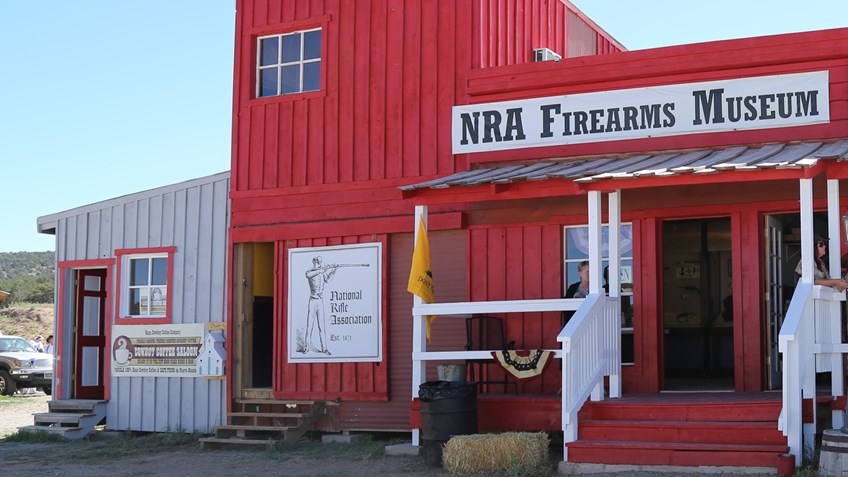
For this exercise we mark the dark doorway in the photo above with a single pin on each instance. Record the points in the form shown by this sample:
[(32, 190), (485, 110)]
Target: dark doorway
[(263, 341), (697, 305)]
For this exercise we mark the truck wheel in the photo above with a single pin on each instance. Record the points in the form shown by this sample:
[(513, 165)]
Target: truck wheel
[(48, 390), (7, 385)]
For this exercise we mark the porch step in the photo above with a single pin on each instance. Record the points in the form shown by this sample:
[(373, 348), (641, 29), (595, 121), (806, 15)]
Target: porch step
[(765, 433), (265, 421), (687, 429), (674, 453), (71, 418)]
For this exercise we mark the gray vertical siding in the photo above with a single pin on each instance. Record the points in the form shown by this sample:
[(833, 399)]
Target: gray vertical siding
[(192, 216)]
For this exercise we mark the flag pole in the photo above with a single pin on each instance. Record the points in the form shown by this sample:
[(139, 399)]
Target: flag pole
[(419, 340)]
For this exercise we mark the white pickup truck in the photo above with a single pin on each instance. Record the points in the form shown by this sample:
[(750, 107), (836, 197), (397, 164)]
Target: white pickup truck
[(21, 366)]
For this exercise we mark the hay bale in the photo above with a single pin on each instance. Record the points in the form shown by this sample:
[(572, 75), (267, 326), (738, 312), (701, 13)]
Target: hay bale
[(476, 453)]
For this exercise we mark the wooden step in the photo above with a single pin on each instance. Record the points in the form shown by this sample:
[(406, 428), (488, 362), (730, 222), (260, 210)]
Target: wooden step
[(74, 405), (269, 414), (674, 453), (239, 427), (217, 442), (682, 431), (731, 411), (60, 417)]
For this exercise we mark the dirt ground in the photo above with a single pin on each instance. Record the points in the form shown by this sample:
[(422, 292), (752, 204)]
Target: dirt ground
[(111, 454)]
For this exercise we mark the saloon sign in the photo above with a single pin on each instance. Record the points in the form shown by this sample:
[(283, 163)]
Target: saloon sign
[(715, 106)]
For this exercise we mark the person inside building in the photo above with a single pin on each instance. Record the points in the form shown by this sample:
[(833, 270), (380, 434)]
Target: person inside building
[(820, 271), (578, 289)]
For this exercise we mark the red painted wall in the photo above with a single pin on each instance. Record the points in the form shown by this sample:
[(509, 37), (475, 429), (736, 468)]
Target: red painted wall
[(795, 53), (392, 70), (324, 167)]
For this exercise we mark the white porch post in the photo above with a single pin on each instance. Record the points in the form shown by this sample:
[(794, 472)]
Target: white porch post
[(419, 338), (808, 386), (614, 279), (595, 267), (833, 333)]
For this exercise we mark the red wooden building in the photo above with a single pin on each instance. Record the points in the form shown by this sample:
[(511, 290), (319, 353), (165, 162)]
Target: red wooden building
[(346, 116)]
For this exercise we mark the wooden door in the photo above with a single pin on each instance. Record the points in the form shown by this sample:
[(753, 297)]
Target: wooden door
[(90, 334)]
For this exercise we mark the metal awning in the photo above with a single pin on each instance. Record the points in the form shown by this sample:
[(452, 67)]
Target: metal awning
[(667, 163)]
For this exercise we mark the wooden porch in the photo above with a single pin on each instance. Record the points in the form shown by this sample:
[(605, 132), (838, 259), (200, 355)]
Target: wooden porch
[(665, 429)]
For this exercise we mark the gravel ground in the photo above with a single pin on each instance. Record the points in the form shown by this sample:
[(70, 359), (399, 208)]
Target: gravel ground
[(19, 411)]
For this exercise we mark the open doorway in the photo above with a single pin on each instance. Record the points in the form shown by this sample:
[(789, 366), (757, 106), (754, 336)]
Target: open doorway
[(254, 304), (697, 305), (783, 253)]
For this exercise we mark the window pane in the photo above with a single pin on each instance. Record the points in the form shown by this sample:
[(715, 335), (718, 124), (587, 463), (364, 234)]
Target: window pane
[(291, 48), (160, 271), (143, 301), (158, 300), (312, 45), (135, 302), (268, 82), (269, 52), (291, 79), (138, 271), (312, 76)]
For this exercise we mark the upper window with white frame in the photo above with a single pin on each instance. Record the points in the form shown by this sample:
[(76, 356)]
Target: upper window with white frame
[(145, 284), (289, 63)]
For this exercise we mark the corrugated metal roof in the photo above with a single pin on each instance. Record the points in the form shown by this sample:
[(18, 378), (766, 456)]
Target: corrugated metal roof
[(738, 158)]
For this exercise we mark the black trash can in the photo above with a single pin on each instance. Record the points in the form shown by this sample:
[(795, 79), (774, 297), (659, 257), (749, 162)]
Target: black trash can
[(448, 408)]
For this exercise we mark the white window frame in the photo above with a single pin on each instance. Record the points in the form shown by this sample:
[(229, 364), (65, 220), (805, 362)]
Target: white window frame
[(626, 291), (279, 65), (126, 287)]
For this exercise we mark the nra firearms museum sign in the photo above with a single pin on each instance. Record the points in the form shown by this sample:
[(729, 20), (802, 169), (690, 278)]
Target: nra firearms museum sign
[(762, 102)]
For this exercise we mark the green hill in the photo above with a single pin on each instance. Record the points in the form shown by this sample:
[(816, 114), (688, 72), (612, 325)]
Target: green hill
[(28, 276)]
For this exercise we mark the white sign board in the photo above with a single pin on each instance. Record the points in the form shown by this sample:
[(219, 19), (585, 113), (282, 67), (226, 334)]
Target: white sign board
[(335, 303), (156, 350), (762, 102)]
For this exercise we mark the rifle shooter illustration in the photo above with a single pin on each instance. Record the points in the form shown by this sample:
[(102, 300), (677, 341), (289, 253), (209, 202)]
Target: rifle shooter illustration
[(344, 265)]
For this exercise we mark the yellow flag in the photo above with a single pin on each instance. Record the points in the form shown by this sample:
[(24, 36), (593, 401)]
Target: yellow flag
[(420, 275)]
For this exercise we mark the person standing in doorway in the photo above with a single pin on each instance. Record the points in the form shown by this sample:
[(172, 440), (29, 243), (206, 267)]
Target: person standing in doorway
[(318, 276), (821, 275)]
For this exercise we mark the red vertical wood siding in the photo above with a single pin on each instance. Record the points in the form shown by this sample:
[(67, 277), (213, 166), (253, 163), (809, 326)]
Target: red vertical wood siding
[(509, 30), (520, 262), (391, 69), (448, 264), (361, 381), (750, 57)]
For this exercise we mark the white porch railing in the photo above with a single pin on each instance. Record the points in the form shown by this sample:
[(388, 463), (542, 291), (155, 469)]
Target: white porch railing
[(462, 310), (806, 346), (591, 343)]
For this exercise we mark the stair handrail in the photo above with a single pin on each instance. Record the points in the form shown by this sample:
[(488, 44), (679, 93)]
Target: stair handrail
[(591, 343), (795, 343)]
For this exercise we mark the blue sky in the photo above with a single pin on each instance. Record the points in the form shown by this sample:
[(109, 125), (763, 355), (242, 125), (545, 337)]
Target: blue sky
[(101, 98)]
